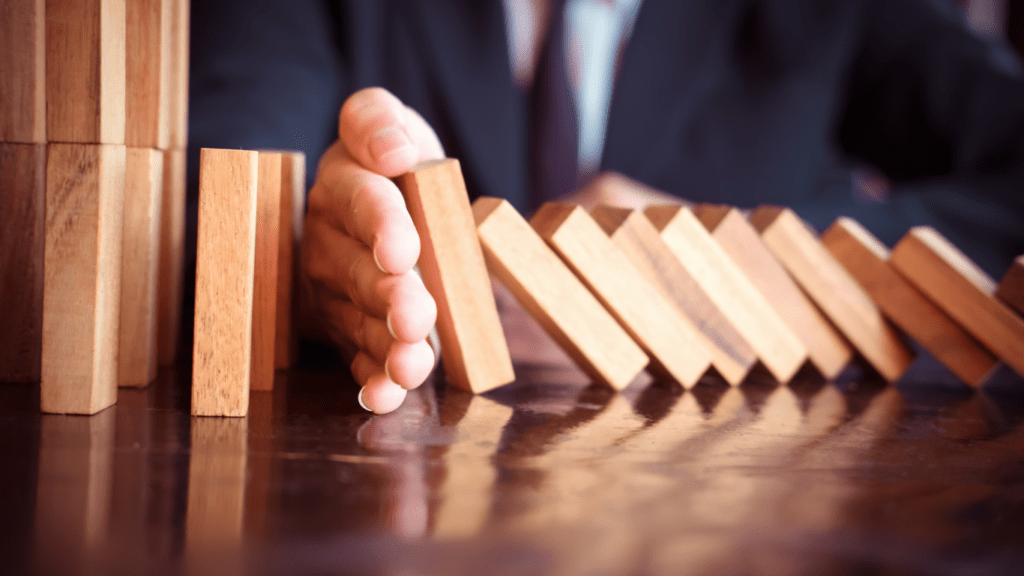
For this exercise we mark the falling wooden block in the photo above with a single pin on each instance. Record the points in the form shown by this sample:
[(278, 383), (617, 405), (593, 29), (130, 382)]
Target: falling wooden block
[(225, 262), (553, 295), (826, 347), (265, 279), (639, 240), (148, 73), (1011, 287), (776, 346), (137, 357), (473, 346), (22, 225), (178, 74), (962, 290), (832, 288), (673, 343), (172, 256), (85, 186), (867, 260), (23, 70), (85, 71), (293, 210)]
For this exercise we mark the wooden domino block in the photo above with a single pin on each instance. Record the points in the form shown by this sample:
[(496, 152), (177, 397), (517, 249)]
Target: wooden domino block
[(673, 343), (962, 290), (225, 262), (827, 350), (172, 256), (85, 186), (178, 73), (22, 224), (1011, 287), (776, 345), (23, 70), (832, 288), (85, 71), (473, 346), (639, 240), (867, 260), (137, 357), (293, 210), (553, 295), (265, 279), (148, 73)]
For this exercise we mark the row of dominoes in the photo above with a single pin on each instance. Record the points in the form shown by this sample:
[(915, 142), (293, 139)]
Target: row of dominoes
[(93, 121)]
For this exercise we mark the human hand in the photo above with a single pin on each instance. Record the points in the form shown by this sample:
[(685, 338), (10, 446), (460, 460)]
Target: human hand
[(360, 246)]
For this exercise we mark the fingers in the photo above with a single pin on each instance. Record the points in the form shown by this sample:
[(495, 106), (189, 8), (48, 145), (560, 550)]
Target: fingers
[(378, 394), (383, 135)]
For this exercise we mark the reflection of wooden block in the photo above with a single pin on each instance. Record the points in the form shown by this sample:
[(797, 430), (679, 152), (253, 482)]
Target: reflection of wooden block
[(264, 291), (553, 295), (148, 73), (85, 71), (776, 346), (225, 257), (639, 240), (22, 204), (1011, 287), (82, 287), (832, 288), (23, 70), (962, 290), (866, 258), (293, 210), (473, 347), (139, 266), (172, 256), (826, 347), (178, 73), (660, 329), (215, 512)]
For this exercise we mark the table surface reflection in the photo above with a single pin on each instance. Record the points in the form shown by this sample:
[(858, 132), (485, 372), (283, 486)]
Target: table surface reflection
[(546, 476)]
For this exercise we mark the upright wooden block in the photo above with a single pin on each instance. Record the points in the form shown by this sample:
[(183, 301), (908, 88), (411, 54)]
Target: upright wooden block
[(776, 346), (671, 340), (639, 240), (293, 210), (85, 186), (148, 73), (85, 71), (473, 345), (1011, 287), (225, 262), (867, 259), (22, 225), (832, 288), (178, 73), (962, 290), (137, 358), (172, 256), (23, 70), (826, 347), (265, 279), (553, 295)]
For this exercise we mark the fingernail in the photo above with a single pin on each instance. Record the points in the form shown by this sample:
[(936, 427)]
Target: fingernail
[(361, 403), (388, 140), (377, 260), (387, 371), (390, 329)]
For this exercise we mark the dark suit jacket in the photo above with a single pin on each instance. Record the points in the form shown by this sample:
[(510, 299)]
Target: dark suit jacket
[(734, 101)]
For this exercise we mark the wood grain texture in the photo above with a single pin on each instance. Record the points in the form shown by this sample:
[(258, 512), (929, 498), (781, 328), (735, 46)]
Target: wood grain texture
[(148, 73), (225, 262), (1011, 287), (85, 186), (832, 288), (22, 225), (178, 73), (265, 278), (639, 240), (23, 70), (552, 294), (827, 350), (172, 257), (473, 347), (293, 210), (137, 357), (85, 71), (962, 290), (675, 346), (777, 347), (867, 260)]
